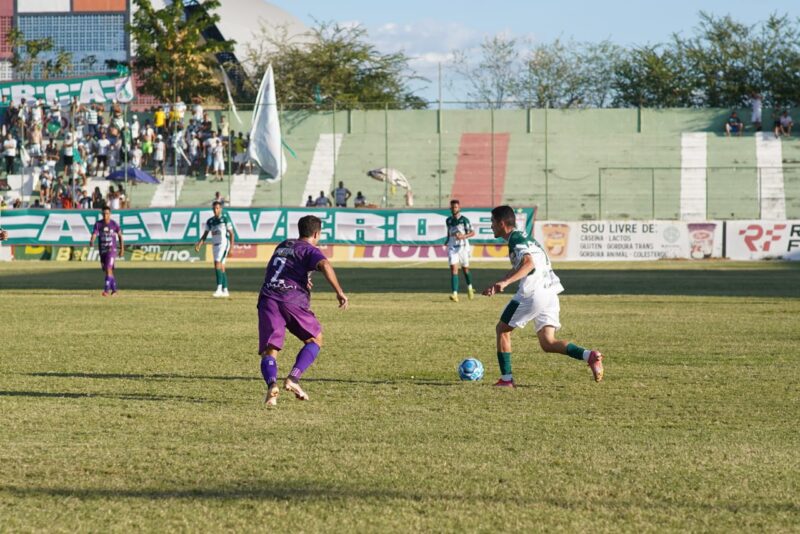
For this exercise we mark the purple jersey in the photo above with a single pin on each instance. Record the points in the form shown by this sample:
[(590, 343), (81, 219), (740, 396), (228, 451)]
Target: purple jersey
[(288, 271), (106, 236)]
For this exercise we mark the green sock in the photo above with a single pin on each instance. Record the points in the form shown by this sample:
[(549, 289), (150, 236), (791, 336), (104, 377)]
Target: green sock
[(504, 359), (218, 274), (468, 277), (454, 283), (574, 351), (224, 279)]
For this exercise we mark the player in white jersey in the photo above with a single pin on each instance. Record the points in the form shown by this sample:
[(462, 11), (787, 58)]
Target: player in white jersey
[(221, 230), (459, 230), (536, 299)]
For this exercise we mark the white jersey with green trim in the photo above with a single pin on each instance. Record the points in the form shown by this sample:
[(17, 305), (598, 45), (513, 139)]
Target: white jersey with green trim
[(218, 228), (542, 276), (455, 226)]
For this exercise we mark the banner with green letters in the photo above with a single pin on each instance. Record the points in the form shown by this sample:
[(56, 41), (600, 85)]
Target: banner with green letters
[(94, 89), (179, 226)]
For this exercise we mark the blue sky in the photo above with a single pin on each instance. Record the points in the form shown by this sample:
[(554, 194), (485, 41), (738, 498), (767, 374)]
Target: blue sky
[(428, 31)]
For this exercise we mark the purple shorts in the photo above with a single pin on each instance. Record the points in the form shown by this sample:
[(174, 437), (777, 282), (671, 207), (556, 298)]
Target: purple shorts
[(275, 317), (107, 260)]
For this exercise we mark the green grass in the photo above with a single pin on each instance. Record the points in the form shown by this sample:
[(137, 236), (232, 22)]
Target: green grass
[(144, 412)]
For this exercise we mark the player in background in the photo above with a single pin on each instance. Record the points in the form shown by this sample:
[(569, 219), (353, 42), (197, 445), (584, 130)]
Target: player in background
[(108, 234), (459, 230), (221, 231), (284, 303), (536, 299)]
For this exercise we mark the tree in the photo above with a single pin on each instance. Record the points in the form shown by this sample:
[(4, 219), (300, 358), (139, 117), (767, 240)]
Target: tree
[(26, 56), (653, 76), (172, 58), (495, 78), (334, 63)]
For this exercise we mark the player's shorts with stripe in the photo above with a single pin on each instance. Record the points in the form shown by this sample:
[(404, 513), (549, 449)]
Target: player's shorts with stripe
[(458, 256), (542, 308), (221, 252)]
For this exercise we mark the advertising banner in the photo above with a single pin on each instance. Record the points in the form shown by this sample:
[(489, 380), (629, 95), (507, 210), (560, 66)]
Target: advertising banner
[(630, 240), (250, 225), (137, 254), (100, 89), (757, 240)]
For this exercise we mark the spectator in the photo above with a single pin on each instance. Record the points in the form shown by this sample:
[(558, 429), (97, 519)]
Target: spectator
[(10, 152), (160, 121), (218, 198), (197, 109), (734, 125), (208, 149), (135, 127), (97, 199), (239, 152), (35, 144), (91, 119), (103, 145), (159, 156), (44, 185), (136, 155), (86, 200), (786, 123), (361, 200), (340, 195), (322, 201), (67, 150), (755, 104), (180, 110), (219, 159), (36, 204), (310, 202)]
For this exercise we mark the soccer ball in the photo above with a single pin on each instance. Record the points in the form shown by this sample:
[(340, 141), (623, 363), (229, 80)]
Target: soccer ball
[(470, 369)]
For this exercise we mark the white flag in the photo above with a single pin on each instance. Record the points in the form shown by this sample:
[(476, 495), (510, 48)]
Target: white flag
[(265, 134)]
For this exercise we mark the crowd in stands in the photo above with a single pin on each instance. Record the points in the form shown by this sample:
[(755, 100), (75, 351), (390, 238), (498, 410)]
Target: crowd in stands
[(65, 146)]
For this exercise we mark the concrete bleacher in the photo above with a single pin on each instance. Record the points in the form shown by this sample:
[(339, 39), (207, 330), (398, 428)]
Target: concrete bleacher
[(573, 164)]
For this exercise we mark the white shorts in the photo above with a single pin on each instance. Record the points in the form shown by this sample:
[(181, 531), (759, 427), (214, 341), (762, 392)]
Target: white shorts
[(219, 165), (458, 256), (221, 252), (543, 309)]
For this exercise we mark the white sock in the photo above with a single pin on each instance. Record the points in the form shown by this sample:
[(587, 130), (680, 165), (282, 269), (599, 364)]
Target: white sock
[(507, 378), (219, 288), (586, 354)]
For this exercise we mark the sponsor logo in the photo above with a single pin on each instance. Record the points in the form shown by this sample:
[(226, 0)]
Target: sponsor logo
[(759, 238)]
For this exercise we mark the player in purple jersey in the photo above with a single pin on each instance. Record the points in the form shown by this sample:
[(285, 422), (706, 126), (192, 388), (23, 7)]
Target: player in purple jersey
[(108, 233), (284, 303)]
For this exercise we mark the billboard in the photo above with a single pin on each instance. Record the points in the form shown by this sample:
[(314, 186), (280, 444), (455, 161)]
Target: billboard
[(758, 240), (250, 225), (100, 89)]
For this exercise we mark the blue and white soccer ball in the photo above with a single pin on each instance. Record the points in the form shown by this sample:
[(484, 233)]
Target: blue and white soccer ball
[(470, 370)]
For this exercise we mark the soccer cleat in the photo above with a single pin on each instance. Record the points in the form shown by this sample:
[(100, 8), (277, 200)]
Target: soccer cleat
[(294, 387), (454, 297), (272, 395), (218, 294), (470, 293), (225, 293), (104, 293), (595, 363), (505, 384)]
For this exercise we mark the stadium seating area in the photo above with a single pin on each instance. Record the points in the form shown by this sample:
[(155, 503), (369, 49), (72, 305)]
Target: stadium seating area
[(573, 164)]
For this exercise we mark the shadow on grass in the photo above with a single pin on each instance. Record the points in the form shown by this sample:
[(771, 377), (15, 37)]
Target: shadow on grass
[(159, 376), (115, 396), (312, 490), (694, 282)]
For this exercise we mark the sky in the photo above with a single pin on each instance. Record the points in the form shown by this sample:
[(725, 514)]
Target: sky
[(428, 31)]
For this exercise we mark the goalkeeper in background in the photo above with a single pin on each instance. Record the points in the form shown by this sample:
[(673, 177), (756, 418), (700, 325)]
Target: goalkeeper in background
[(459, 230)]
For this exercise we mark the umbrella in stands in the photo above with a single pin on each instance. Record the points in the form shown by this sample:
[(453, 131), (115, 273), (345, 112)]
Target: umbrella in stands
[(133, 175)]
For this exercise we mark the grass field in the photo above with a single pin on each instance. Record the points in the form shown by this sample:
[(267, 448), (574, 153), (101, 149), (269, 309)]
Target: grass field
[(144, 412)]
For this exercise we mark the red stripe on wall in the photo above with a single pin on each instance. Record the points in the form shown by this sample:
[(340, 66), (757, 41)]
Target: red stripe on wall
[(473, 178)]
